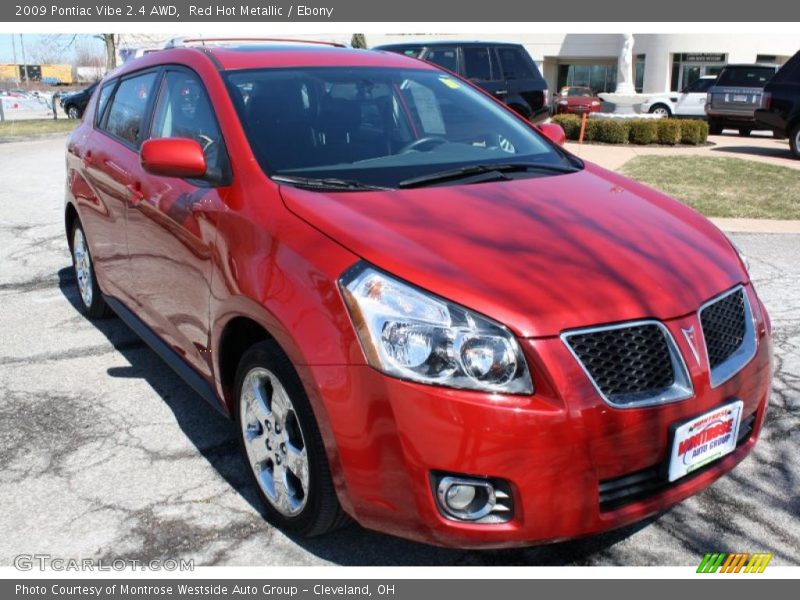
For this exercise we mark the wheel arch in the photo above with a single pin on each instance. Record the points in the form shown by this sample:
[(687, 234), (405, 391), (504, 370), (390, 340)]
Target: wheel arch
[(70, 218)]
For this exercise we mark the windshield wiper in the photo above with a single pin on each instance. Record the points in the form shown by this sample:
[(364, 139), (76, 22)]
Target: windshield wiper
[(455, 174), (326, 183)]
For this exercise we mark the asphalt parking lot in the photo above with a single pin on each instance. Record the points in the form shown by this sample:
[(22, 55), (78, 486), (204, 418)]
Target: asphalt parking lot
[(106, 453)]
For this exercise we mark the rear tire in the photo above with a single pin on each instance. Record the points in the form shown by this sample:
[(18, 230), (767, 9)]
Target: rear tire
[(282, 445), (714, 127), (794, 141), (91, 297)]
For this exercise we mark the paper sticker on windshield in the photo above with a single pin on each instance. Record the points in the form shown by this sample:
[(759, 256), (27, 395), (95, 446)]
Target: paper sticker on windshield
[(451, 83), (427, 105)]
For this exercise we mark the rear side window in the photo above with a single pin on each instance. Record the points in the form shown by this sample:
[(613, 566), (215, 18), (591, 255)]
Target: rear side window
[(477, 64), (745, 76), (701, 86), (102, 101), (126, 114), (183, 110), (514, 63), (790, 72), (444, 57)]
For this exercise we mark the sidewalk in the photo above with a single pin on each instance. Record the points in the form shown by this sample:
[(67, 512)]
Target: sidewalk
[(759, 148)]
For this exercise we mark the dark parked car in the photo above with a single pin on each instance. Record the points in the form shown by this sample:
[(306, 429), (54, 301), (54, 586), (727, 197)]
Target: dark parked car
[(781, 108), (505, 70), (75, 103), (736, 95)]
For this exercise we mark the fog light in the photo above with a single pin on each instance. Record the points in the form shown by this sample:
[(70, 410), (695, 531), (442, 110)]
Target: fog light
[(459, 497), (466, 499)]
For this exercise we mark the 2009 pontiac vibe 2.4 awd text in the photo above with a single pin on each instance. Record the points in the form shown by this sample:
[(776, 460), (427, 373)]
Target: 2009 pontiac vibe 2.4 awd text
[(420, 310)]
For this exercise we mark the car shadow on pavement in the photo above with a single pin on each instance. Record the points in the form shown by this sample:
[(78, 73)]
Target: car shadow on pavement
[(215, 439), (777, 151)]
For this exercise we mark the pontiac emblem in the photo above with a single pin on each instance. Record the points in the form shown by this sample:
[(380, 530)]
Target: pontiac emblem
[(688, 333)]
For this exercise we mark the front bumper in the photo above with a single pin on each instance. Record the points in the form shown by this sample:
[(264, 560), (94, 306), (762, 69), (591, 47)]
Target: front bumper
[(554, 448)]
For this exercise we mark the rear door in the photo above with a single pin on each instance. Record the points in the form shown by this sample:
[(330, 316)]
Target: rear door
[(111, 161), (172, 223), (692, 101)]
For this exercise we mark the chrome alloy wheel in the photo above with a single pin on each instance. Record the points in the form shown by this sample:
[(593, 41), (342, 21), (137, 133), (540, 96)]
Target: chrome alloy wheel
[(83, 266), (276, 449), (661, 111)]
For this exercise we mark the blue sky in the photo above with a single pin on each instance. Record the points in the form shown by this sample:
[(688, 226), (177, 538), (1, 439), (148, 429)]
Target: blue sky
[(33, 40)]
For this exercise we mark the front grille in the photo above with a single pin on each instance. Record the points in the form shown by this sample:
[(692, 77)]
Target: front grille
[(723, 327), (617, 492), (631, 364), (727, 324)]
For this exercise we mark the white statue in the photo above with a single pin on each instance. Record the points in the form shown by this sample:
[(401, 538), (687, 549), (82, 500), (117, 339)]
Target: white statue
[(625, 66)]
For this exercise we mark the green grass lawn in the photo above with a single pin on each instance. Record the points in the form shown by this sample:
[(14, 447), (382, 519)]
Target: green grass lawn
[(10, 130), (722, 187)]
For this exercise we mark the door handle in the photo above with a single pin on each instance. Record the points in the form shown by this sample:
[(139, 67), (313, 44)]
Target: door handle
[(87, 158), (501, 92), (135, 194)]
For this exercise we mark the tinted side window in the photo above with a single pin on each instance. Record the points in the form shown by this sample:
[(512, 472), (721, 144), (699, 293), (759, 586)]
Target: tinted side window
[(790, 72), (514, 63), (129, 106), (183, 110), (102, 101), (701, 86), (444, 57), (477, 64)]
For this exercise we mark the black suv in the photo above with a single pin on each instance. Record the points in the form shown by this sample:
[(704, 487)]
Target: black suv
[(505, 70), (781, 107), (75, 103)]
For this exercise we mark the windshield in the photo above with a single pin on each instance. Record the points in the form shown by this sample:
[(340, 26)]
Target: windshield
[(377, 126), (574, 92), (746, 76)]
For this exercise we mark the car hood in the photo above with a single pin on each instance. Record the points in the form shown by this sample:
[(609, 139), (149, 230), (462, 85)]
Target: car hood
[(540, 255)]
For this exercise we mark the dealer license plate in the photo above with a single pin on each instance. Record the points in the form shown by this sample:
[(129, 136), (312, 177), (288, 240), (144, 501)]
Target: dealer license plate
[(704, 439), (739, 98)]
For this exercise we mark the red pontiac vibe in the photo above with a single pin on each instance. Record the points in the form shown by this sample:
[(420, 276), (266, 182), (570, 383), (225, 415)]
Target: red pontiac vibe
[(577, 100), (420, 311)]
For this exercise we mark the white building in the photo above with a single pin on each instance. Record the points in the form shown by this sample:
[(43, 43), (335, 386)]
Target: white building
[(664, 62)]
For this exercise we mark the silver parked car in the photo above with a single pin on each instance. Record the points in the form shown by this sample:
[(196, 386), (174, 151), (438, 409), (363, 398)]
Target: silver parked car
[(734, 98)]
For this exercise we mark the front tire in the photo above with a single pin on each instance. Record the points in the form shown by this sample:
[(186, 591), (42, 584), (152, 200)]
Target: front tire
[(662, 110), (282, 445), (91, 297), (73, 112), (745, 131)]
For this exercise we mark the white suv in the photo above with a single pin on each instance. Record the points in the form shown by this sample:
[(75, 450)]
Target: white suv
[(690, 102)]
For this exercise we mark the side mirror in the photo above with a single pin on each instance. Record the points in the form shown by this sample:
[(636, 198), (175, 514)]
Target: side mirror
[(553, 132), (173, 157)]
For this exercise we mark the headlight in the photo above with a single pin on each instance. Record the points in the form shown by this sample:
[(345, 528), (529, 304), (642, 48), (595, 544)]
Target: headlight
[(408, 333)]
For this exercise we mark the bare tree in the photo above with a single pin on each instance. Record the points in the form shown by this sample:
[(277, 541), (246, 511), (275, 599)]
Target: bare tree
[(110, 40), (359, 40), (87, 55), (47, 52)]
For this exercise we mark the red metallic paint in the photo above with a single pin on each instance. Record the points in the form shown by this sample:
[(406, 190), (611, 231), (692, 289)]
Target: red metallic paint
[(540, 255), (173, 157), (553, 132)]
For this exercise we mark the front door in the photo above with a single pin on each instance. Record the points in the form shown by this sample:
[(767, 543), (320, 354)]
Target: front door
[(171, 225)]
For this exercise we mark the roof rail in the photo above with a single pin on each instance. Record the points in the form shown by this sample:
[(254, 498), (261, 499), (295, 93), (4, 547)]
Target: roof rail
[(188, 41)]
